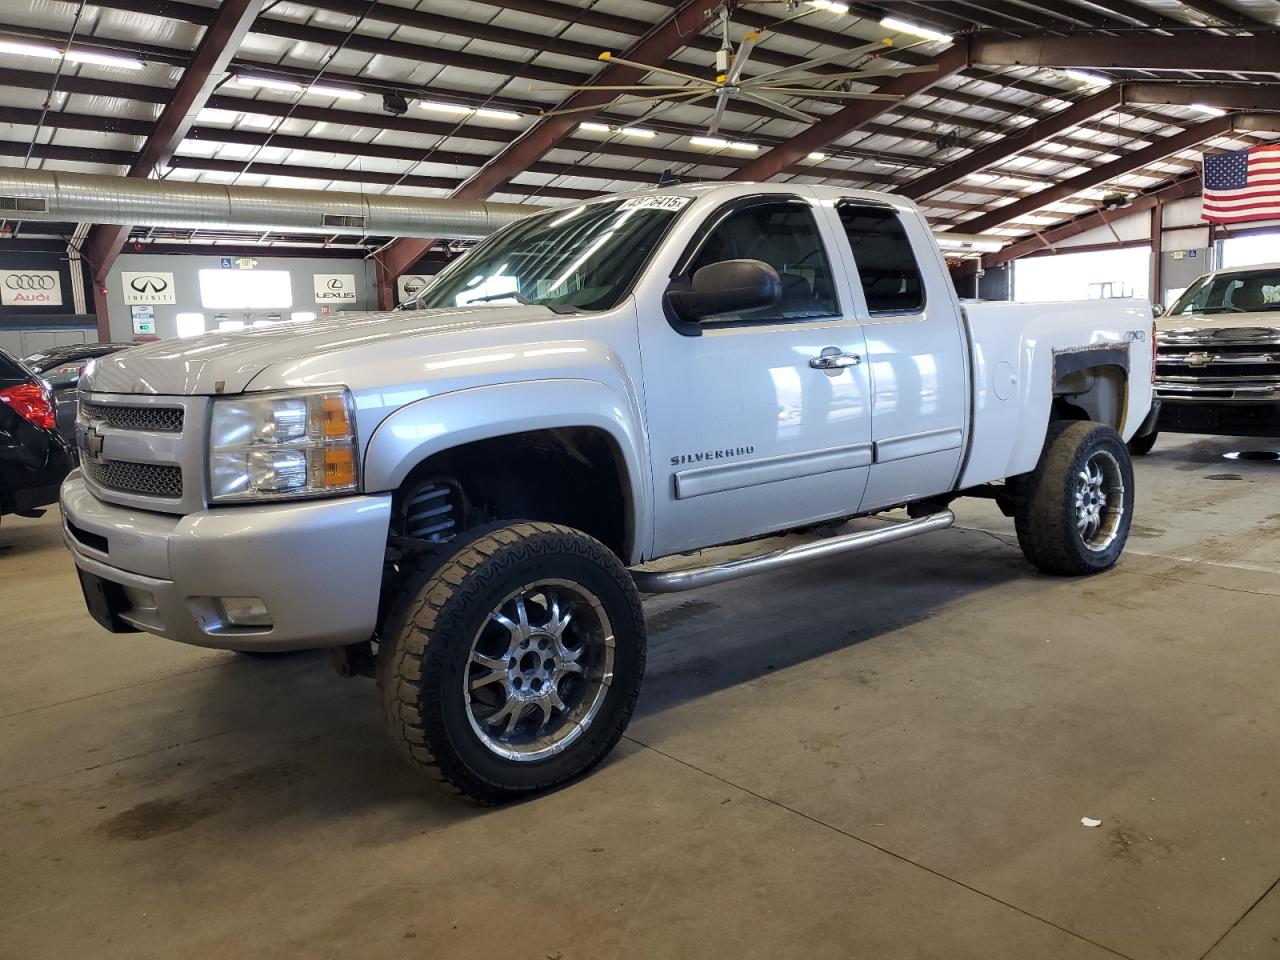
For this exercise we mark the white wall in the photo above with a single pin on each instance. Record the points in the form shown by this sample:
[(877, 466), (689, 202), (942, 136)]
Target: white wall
[(185, 270)]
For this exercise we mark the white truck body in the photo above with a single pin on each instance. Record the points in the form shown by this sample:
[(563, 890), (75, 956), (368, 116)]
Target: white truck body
[(720, 436)]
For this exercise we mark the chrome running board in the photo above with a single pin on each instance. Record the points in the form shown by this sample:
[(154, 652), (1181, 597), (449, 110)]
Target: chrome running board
[(676, 581)]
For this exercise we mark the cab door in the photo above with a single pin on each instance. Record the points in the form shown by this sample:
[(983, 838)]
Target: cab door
[(916, 351), (759, 421)]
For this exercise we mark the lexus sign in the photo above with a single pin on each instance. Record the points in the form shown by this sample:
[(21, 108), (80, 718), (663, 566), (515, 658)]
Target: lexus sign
[(147, 287), (335, 287), (30, 288)]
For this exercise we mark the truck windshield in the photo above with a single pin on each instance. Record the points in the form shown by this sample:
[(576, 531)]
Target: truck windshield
[(583, 258), (1248, 291)]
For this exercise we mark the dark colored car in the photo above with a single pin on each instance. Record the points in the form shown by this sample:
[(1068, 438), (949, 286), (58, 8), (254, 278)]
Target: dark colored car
[(34, 457), (61, 368)]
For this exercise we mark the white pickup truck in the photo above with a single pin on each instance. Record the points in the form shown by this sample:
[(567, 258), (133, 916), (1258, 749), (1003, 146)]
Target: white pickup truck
[(470, 485)]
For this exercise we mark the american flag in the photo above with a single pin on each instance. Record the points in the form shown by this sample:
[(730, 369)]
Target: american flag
[(1242, 185)]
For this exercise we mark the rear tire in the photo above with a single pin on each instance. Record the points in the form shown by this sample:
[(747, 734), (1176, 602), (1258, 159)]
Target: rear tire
[(1073, 512), (1141, 446), (514, 663)]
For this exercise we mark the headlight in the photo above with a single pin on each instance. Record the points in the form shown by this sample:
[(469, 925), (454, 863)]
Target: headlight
[(276, 446)]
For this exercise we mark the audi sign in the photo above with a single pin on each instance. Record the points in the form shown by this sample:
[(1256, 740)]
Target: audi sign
[(147, 287), (30, 288)]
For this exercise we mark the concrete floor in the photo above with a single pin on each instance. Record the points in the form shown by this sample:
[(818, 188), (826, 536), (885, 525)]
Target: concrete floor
[(881, 756)]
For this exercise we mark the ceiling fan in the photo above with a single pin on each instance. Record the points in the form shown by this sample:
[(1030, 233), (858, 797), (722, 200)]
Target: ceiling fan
[(732, 82)]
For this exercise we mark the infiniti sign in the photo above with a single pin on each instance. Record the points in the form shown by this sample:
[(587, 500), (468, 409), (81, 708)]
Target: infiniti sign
[(149, 287)]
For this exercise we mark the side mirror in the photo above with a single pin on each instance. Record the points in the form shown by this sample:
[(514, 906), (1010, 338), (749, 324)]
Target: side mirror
[(1157, 311), (730, 286)]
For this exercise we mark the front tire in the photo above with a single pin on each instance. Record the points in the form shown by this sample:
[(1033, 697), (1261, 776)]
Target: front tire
[(1073, 512), (514, 663)]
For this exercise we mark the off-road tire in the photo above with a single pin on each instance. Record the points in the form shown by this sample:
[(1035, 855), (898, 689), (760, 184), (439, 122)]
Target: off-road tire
[(1043, 500), (423, 656), (1141, 446)]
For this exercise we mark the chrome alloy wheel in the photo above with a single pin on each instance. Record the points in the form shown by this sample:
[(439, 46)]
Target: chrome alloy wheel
[(539, 670), (1099, 500)]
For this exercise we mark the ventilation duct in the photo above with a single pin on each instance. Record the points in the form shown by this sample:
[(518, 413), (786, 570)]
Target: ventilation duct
[(81, 198)]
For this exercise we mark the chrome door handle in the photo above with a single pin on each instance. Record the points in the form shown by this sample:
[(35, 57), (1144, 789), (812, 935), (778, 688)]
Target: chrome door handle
[(834, 361)]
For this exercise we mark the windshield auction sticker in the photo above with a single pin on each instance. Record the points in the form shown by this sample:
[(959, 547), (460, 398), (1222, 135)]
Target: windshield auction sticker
[(655, 203)]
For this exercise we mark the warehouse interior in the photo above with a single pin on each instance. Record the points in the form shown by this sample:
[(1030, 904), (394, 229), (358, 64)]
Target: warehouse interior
[(931, 749)]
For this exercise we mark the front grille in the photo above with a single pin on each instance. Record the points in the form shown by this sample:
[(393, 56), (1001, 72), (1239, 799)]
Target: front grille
[(147, 479), (155, 418)]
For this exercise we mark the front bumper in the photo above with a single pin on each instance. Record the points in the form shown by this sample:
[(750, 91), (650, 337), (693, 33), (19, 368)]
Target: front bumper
[(317, 566), (1228, 418)]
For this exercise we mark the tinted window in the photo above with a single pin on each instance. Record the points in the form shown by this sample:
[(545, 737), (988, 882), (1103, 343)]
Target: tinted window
[(584, 258), (1250, 291), (785, 236), (886, 263), (12, 369)]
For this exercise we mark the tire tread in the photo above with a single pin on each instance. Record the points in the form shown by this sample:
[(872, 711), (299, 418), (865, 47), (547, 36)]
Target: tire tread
[(428, 603)]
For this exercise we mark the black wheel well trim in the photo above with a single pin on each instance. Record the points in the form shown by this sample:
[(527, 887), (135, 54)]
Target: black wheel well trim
[(624, 546)]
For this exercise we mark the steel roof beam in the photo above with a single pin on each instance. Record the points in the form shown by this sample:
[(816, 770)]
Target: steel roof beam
[(840, 124), (1003, 149), (1197, 51), (663, 41), (1129, 163), (1178, 190), (220, 41), (1252, 96)]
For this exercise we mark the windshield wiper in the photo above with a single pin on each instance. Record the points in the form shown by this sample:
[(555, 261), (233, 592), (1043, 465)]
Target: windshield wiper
[(517, 297)]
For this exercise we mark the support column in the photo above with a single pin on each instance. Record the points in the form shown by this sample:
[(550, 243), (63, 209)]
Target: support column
[(100, 310), (1157, 254)]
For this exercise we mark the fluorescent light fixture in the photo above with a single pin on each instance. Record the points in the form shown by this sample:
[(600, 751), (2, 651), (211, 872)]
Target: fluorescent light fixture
[(29, 49), (638, 132), (1087, 78), (713, 142), (497, 114), (1207, 110), (439, 107), (269, 83), (817, 157), (104, 59), (902, 26), (831, 6), (592, 127), (337, 92), (743, 146)]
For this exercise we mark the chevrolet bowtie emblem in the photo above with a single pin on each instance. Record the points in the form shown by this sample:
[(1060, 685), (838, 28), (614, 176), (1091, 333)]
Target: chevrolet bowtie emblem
[(93, 443), (1198, 359)]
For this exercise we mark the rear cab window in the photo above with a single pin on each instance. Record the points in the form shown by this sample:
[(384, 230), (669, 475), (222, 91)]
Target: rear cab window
[(884, 257)]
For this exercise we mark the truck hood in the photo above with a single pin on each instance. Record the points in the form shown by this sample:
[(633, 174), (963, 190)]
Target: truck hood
[(1264, 324), (227, 361)]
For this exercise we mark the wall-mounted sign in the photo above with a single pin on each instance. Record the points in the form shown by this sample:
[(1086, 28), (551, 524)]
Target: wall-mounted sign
[(30, 288), (150, 287), (144, 320), (335, 287), (246, 263), (409, 284)]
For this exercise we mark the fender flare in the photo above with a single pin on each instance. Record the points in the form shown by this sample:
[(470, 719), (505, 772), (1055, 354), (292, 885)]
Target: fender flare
[(438, 423)]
